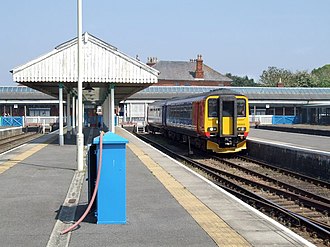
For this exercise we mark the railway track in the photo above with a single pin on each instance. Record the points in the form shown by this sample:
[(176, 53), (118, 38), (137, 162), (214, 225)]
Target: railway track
[(299, 202), (311, 199), (17, 140)]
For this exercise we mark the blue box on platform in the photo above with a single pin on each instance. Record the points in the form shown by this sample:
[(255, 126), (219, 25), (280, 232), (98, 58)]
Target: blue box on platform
[(111, 195)]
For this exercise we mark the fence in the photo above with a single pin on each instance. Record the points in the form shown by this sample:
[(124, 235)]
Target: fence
[(11, 121), (38, 121), (42, 121), (261, 119), (270, 119), (28, 121), (285, 120)]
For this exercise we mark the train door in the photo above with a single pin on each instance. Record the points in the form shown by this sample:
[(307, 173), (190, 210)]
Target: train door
[(227, 116)]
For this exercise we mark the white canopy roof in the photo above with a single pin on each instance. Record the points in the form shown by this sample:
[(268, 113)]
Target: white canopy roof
[(103, 65)]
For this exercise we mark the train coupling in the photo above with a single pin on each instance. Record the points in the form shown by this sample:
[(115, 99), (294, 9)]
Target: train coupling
[(228, 142)]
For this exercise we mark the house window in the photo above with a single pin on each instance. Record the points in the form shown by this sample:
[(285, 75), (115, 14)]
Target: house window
[(42, 112)]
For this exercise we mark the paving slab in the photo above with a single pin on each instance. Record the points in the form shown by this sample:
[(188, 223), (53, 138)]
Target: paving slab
[(154, 218)]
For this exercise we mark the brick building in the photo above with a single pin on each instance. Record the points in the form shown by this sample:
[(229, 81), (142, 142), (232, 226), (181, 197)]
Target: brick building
[(190, 73)]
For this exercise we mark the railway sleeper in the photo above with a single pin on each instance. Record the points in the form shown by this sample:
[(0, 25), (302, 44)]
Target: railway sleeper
[(286, 203)]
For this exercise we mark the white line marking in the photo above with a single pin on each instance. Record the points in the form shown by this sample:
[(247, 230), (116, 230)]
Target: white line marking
[(10, 150), (283, 144)]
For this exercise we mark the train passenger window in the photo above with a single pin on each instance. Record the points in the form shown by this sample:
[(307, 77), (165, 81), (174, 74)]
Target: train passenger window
[(241, 111), (213, 107)]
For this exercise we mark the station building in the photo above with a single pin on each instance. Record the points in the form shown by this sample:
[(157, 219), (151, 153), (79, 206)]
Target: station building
[(292, 105), (268, 105), (187, 73), (25, 101)]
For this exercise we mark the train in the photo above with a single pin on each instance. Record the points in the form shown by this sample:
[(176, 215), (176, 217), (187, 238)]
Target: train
[(216, 121)]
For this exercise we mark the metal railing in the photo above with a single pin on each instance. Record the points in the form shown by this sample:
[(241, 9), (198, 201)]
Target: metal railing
[(8, 121), (272, 119), (261, 119), (38, 121), (11, 121)]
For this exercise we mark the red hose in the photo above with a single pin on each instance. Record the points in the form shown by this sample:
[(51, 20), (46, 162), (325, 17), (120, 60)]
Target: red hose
[(94, 192)]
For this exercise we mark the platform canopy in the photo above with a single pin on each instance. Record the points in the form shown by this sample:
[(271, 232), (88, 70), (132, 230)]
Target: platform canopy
[(104, 67)]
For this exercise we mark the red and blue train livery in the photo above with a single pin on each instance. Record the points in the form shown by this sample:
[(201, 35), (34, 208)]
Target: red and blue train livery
[(216, 121)]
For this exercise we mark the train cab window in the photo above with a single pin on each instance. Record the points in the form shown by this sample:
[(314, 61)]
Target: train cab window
[(241, 108), (213, 107), (228, 108)]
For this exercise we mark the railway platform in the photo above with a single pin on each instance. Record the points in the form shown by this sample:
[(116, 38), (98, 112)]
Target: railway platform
[(308, 154), (167, 204), (310, 129), (287, 135)]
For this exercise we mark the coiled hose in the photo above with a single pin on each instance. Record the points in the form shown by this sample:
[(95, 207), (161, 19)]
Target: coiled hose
[(94, 192)]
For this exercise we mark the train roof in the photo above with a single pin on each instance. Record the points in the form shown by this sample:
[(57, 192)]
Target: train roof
[(220, 91), (195, 97), (223, 91), (252, 93)]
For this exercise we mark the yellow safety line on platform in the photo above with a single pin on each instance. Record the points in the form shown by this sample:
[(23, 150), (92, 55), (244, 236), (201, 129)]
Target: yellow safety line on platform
[(214, 226), (19, 158)]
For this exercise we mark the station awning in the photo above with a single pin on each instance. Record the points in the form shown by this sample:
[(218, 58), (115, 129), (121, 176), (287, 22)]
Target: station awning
[(104, 66)]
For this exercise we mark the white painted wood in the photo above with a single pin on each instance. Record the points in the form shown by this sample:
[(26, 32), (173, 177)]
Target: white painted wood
[(102, 63)]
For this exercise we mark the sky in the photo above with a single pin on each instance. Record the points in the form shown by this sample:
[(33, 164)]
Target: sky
[(240, 37)]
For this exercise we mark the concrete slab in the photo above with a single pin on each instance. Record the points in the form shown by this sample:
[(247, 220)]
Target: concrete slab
[(154, 218), (31, 193), (232, 210)]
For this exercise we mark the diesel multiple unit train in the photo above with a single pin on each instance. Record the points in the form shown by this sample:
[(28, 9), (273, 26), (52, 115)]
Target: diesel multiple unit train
[(216, 121)]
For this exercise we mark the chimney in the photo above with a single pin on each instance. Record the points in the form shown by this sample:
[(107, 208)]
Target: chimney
[(152, 61), (280, 83), (199, 73)]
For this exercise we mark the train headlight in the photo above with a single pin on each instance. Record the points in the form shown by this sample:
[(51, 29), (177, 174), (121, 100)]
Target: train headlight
[(212, 129), (241, 129)]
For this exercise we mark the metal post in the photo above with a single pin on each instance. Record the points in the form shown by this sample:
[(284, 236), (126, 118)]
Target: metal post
[(112, 108), (80, 135), (64, 113), (68, 116), (73, 115), (109, 112), (76, 114), (60, 96), (125, 112), (145, 114), (106, 112), (83, 115), (25, 116)]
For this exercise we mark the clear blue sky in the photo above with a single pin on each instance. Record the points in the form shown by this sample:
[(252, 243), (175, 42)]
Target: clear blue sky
[(237, 36)]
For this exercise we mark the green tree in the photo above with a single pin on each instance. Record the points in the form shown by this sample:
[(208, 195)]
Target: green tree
[(274, 75), (302, 79), (322, 76), (239, 81)]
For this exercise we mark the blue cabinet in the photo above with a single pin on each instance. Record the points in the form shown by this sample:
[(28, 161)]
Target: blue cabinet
[(111, 196)]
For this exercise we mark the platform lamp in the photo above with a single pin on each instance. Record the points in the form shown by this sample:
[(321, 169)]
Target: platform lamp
[(88, 87), (80, 134)]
